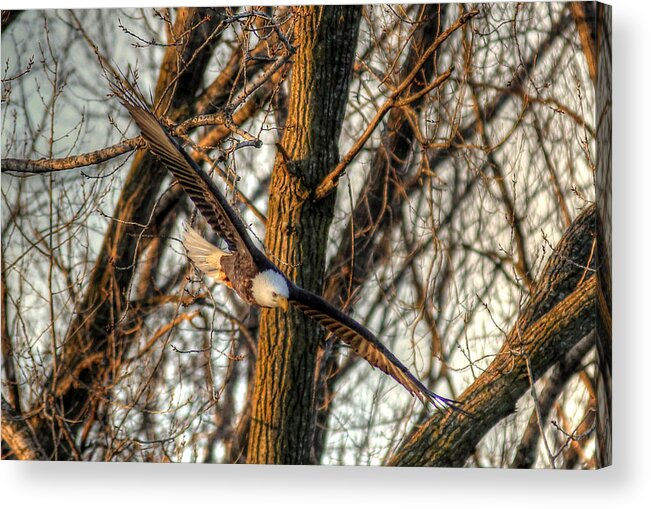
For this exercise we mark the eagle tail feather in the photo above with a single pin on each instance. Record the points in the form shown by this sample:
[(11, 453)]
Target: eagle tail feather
[(204, 255)]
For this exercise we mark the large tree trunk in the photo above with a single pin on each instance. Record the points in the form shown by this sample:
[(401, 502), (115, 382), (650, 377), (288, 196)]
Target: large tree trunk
[(283, 413)]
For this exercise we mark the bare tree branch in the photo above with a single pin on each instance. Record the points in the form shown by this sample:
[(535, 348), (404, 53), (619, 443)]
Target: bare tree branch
[(560, 311)]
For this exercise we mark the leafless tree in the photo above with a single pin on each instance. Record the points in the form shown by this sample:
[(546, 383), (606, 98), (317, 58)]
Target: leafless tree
[(430, 169)]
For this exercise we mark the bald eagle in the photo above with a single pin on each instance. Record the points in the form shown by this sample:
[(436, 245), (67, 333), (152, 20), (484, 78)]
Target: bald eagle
[(246, 269)]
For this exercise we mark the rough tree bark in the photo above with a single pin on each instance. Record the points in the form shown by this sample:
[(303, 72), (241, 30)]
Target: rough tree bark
[(283, 414), (559, 312), (17, 432)]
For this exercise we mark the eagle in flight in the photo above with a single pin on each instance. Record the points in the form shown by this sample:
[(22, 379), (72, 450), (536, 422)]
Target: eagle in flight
[(245, 268)]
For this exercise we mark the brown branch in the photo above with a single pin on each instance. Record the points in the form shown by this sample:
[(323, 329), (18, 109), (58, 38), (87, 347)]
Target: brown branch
[(553, 103), (553, 177), (260, 80), (44, 165), (585, 23), (573, 449), (243, 64), (520, 262), (331, 180), (161, 331), (8, 356), (18, 435), (69, 163)]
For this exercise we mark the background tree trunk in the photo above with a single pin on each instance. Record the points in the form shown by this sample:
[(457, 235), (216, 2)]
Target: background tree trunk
[(98, 336)]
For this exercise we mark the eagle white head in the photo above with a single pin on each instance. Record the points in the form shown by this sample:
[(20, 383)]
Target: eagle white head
[(270, 290)]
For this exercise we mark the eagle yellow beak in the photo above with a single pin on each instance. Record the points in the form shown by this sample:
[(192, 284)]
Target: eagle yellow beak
[(283, 303)]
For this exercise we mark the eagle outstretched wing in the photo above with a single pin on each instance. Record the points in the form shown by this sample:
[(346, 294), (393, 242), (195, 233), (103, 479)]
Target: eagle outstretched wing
[(365, 344), (197, 184)]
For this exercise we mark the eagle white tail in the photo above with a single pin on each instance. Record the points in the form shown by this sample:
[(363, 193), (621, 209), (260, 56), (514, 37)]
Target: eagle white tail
[(205, 256)]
